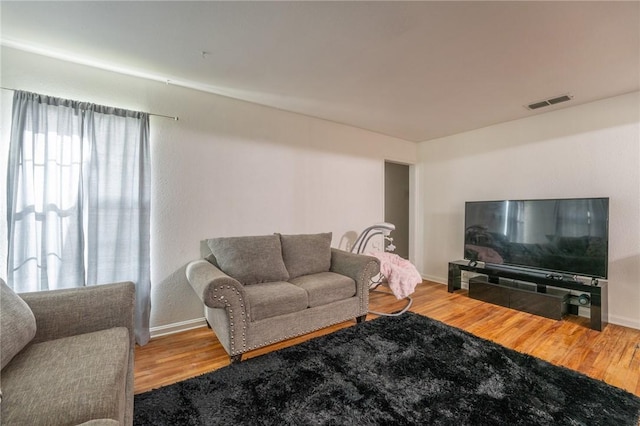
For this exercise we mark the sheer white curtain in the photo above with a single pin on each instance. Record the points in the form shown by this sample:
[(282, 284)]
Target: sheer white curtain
[(78, 198)]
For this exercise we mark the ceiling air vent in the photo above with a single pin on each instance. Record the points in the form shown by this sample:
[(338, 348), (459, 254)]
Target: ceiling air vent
[(549, 102)]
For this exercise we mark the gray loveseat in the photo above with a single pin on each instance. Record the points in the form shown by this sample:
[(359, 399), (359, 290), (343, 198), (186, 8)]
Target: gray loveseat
[(67, 356), (260, 290)]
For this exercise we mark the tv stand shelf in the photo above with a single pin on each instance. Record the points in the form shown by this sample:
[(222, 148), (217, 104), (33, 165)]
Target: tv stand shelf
[(597, 293)]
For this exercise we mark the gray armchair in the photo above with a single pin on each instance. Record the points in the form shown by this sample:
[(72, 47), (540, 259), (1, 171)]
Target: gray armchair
[(67, 355)]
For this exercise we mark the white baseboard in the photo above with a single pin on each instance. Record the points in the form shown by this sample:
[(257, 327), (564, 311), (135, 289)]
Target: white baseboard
[(624, 321), (434, 279), (177, 327)]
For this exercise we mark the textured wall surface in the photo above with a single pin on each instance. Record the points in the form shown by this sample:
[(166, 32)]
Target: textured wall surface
[(226, 168), (229, 167)]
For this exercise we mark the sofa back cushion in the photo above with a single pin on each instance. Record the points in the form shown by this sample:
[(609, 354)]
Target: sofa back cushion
[(306, 254), (250, 260), (17, 324)]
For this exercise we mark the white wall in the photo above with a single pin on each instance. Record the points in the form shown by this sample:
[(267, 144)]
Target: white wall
[(233, 168), (584, 151), (226, 168)]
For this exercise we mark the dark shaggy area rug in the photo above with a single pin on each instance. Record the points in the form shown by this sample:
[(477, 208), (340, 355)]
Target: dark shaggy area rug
[(406, 370)]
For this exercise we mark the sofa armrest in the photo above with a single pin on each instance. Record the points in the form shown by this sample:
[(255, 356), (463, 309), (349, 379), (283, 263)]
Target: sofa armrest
[(69, 312), (358, 267), (215, 288)]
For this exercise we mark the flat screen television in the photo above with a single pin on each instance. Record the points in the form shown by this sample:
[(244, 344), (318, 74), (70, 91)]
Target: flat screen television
[(565, 236)]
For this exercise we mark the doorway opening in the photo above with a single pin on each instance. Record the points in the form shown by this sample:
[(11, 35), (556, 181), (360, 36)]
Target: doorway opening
[(396, 204)]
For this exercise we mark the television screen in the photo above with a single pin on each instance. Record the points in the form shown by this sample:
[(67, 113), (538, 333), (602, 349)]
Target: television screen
[(568, 236)]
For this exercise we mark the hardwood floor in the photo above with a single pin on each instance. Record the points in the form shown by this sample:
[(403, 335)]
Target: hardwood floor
[(612, 355)]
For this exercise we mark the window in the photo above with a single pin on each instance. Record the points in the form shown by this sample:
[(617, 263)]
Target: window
[(78, 198)]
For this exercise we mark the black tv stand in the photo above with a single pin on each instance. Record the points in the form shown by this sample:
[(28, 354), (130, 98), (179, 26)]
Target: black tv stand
[(597, 290)]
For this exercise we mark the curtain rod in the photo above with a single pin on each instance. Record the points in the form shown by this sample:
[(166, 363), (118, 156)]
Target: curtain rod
[(175, 118)]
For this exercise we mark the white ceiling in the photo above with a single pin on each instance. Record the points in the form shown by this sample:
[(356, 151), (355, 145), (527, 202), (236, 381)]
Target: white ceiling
[(414, 70)]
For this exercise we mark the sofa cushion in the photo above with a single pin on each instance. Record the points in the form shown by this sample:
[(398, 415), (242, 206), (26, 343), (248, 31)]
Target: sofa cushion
[(326, 287), (268, 300), (305, 254), (68, 381), (17, 324), (250, 260)]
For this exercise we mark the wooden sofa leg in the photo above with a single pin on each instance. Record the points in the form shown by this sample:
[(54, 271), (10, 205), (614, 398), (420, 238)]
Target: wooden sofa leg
[(235, 359), (361, 318)]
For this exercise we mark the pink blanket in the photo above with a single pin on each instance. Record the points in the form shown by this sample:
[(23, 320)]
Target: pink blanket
[(401, 274)]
